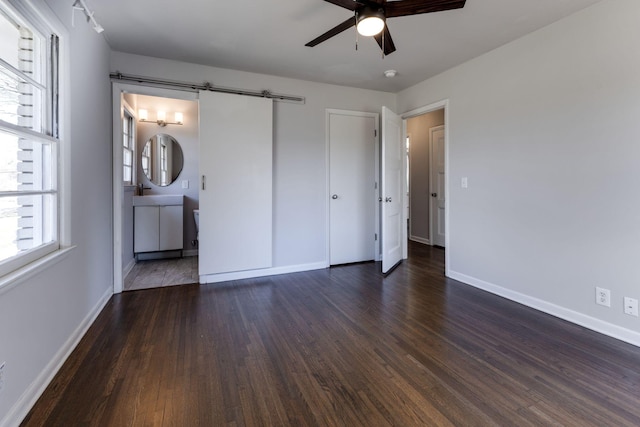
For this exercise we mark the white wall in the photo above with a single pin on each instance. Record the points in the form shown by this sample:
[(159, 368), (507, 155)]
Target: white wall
[(299, 145), (546, 129), (41, 318)]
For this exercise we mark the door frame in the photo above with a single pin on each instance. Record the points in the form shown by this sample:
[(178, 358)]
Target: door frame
[(442, 104), (376, 117), (117, 90), (433, 204)]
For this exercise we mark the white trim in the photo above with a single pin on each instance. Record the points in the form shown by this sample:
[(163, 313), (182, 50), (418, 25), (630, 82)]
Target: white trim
[(597, 325), (420, 240), (27, 133), (377, 171), (117, 187), (18, 276), (250, 274), (25, 77), (443, 104), (405, 191), (33, 392), (127, 269), (407, 194)]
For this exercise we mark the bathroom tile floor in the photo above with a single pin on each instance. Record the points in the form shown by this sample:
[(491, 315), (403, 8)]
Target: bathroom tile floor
[(162, 272)]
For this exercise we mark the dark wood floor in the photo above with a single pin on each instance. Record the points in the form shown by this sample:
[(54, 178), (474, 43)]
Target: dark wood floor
[(340, 347)]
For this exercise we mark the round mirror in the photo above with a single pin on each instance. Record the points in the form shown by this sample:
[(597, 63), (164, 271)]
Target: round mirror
[(161, 159)]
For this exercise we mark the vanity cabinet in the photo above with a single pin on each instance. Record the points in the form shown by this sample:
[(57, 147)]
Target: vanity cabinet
[(158, 228)]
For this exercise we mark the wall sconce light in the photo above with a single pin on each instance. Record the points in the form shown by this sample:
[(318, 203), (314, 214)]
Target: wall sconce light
[(161, 118)]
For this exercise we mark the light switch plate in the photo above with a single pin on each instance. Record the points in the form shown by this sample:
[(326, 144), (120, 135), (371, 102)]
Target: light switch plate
[(185, 183), (464, 182)]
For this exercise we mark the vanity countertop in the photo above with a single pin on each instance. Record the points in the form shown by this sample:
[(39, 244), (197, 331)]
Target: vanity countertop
[(159, 200)]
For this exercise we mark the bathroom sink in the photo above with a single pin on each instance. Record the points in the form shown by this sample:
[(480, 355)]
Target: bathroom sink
[(158, 200)]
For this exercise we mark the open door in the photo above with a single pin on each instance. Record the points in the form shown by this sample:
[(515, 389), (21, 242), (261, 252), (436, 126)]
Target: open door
[(392, 158), (436, 184)]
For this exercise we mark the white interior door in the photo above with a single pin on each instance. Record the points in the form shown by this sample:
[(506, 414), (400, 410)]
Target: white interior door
[(436, 137), (352, 193), (236, 157), (392, 194)]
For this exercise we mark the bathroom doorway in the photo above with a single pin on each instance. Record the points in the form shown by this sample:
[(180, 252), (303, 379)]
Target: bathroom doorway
[(155, 153)]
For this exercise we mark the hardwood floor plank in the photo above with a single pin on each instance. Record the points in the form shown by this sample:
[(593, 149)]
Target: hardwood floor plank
[(344, 346)]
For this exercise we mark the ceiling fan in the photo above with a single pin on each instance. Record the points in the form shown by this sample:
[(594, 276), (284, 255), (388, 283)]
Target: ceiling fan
[(370, 16)]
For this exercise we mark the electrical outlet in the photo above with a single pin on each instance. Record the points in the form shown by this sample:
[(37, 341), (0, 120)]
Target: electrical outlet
[(631, 306), (2, 376), (603, 297)]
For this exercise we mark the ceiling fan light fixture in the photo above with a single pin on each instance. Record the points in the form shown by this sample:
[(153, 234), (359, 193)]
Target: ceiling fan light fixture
[(370, 22)]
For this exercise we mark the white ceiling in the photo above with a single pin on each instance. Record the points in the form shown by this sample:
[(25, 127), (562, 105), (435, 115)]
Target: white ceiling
[(269, 36)]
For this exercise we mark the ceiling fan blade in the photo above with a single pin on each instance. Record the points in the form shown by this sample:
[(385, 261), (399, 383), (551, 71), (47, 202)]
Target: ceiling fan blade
[(334, 31), (416, 7), (356, 4), (347, 4), (389, 46)]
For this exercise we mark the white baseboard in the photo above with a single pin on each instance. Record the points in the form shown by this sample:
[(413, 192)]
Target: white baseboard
[(606, 328), (128, 268), (22, 407), (250, 274), (420, 240)]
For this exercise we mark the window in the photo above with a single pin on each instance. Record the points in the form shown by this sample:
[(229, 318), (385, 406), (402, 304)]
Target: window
[(28, 138), (128, 141), (146, 160), (163, 163)]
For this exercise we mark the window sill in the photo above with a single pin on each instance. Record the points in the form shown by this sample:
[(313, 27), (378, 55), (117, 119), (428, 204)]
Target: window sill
[(13, 279)]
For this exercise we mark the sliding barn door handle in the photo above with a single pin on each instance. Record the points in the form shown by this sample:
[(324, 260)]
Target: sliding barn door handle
[(204, 182)]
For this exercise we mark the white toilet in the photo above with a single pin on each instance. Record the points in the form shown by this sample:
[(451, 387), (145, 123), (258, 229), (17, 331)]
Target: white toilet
[(196, 218)]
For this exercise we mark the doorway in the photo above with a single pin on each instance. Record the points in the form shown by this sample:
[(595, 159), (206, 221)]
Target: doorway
[(426, 177), (127, 101), (420, 200)]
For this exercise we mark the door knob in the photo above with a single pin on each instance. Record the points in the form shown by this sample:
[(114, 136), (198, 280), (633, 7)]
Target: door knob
[(434, 194), (335, 196), (388, 199)]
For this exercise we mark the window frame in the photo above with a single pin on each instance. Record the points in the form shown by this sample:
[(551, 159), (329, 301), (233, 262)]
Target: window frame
[(40, 18), (129, 145)]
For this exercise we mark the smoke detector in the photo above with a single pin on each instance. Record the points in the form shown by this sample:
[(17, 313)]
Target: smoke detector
[(390, 73)]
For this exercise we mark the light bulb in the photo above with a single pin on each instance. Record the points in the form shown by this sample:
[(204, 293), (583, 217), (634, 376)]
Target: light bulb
[(370, 25)]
